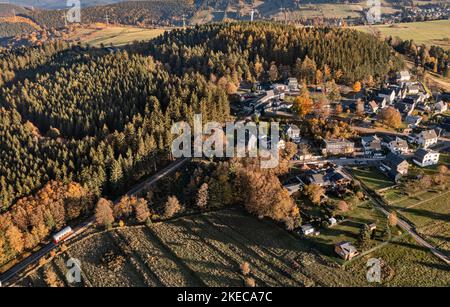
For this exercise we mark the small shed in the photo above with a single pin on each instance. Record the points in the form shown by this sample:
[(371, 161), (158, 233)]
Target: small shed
[(307, 229), (332, 221)]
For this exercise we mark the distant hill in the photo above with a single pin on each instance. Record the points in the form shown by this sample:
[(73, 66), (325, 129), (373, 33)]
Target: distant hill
[(8, 10), (137, 13), (58, 4)]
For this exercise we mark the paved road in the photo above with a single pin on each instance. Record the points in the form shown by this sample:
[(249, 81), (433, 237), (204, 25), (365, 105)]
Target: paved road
[(382, 206), (7, 277)]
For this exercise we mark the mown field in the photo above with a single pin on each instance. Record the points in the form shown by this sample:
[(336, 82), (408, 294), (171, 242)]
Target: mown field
[(116, 35), (428, 32), (201, 250), (372, 178), (405, 264), (348, 230)]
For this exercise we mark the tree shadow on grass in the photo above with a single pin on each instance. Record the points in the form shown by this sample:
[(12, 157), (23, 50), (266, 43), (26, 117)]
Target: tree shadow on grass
[(409, 245), (424, 213), (438, 266)]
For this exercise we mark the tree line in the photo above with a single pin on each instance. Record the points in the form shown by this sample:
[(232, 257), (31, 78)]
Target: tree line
[(271, 51)]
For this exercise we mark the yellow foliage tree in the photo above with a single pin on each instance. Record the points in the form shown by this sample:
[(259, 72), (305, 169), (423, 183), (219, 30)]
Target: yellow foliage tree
[(303, 104), (357, 87)]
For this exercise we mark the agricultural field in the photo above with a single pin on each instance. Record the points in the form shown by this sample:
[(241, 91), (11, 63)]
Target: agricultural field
[(372, 178), (428, 210), (207, 250), (405, 264), (432, 211), (198, 250), (428, 32), (348, 230), (95, 35)]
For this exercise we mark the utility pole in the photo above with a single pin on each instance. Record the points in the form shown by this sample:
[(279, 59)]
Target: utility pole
[(184, 20), (252, 15)]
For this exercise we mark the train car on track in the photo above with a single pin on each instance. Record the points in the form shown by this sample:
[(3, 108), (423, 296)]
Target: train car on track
[(62, 235)]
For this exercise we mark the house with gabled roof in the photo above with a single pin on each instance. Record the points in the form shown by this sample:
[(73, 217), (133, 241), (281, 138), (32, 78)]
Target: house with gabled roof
[(346, 250), (372, 107), (398, 146), (388, 93), (427, 138), (338, 147), (371, 144), (394, 166), (403, 76), (425, 157), (440, 107)]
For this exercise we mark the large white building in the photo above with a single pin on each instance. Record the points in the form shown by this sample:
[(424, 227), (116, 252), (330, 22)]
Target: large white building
[(427, 138), (403, 76), (424, 157)]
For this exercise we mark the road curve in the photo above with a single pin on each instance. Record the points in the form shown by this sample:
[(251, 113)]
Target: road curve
[(381, 205)]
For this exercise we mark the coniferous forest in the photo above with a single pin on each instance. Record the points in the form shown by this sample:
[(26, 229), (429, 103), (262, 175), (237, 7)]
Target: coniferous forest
[(99, 121)]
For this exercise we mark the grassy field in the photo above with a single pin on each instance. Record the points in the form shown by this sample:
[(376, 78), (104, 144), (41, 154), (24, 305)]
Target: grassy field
[(405, 263), (207, 250), (373, 178), (426, 213), (200, 250), (116, 35), (428, 210), (428, 32), (363, 213)]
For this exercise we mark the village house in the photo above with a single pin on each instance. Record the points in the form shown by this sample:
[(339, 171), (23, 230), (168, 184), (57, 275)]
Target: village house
[(381, 101), (332, 221), (292, 83), (425, 157), (413, 89), (403, 76), (440, 107), (394, 166), (387, 93), (371, 144), (293, 185), (413, 121), (330, 178), (405, 108), (398, 146), (336, 147), (346, 250), (280, 88), (427, 138), (307, 230), (372, 107), (293, 133), (372, 226)]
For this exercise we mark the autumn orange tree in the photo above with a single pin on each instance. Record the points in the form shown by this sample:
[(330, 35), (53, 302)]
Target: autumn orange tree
[(266, 197), (357, 87), (391, 117), (103, 213), (141, 210), (314, 193), (31, 219), (303, 104)]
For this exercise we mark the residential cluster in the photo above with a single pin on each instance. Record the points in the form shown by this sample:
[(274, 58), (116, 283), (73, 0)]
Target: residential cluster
[(323, 162)]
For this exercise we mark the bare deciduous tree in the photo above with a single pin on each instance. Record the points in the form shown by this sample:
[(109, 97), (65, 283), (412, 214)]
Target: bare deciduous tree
[(103, 213), (171, 207)]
